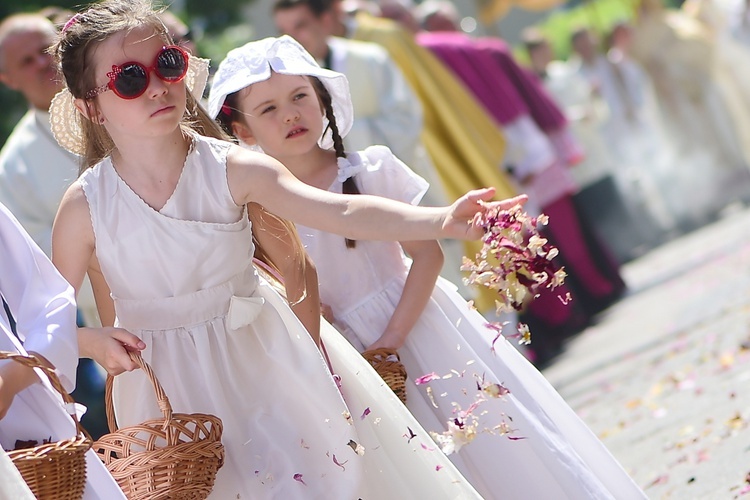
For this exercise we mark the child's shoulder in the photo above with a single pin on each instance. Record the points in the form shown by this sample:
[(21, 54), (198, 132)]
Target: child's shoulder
[(218, 148)]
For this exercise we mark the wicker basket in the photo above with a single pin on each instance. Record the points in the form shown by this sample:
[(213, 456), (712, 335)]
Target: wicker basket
[(392, 371), (176, 457), (53, 471)]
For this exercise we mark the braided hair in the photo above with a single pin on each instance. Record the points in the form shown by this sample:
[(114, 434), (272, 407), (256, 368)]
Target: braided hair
[(349, 186)]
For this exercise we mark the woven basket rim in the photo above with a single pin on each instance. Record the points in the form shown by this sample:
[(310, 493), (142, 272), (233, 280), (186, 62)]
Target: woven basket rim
[(63, 460), (55, 445)]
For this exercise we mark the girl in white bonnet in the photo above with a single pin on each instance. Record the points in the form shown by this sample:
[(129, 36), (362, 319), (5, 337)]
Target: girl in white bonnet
[(271, 94)]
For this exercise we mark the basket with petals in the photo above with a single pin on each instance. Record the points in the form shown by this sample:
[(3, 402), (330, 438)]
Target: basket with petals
[(52, 470), (388, 365), (177, 456)]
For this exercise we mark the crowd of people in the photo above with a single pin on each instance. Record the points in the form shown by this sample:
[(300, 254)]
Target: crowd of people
[(332, 155)]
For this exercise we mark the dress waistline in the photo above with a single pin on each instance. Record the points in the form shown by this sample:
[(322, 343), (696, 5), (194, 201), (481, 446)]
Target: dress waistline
[(237, 298)]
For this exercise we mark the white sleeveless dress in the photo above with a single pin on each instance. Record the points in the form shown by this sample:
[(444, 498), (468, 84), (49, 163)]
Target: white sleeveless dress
[(550, 452), (223, 342)]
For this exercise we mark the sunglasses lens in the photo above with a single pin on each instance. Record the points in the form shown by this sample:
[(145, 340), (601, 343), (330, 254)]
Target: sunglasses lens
[(171, 64), (131, 81)]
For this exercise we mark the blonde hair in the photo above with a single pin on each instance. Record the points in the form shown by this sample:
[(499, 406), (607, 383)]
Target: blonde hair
[(74, 53)]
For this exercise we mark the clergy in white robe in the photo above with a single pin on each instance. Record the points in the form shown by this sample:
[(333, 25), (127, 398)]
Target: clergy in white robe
[(43, 305)]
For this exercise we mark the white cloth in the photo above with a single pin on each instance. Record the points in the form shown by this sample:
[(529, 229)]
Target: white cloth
[(529, 149), (633, 132), (35, 172), (690, 87), (43, 306), (585, 112), (12, 485), (180, 277), (559, 456), (41, 301), (386, 111)]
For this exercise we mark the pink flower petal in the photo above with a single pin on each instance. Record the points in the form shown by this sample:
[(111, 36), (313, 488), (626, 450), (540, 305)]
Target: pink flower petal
[(426, 378), (340, 464)]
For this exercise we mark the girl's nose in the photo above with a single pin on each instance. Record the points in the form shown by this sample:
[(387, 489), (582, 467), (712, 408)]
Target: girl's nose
[(156, 86), (292, 115)]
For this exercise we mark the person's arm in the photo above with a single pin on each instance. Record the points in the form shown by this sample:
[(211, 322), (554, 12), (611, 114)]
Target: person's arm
[(105, 305), (281, 245), (427, 262), (72, 253), (14, 377), (261, 179)]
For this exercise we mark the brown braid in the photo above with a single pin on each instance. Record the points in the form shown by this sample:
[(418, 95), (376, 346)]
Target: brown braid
[(228, 114), (349, 186)]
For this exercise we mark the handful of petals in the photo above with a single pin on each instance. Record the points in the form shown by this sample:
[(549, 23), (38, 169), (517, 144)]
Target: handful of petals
[(515, 260)]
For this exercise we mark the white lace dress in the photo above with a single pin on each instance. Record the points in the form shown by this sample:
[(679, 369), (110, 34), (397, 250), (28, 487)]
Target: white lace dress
[(223, 342), (547, 451)]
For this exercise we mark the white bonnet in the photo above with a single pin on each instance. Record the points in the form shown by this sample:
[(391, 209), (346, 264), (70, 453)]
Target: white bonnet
[(254, 62)]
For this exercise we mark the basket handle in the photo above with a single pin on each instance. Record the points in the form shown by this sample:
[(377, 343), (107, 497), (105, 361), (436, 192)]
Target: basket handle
[(161, 396), (33, 361)]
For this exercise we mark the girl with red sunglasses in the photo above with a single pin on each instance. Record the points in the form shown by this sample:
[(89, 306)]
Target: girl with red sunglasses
[(165, 219)]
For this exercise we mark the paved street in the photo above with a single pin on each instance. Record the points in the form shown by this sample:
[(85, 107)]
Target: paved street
[(663, 378)]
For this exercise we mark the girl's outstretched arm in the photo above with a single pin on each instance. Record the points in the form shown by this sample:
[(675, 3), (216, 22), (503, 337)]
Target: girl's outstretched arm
[(427, 260), (280, 244), (72, 252), (258, 178)]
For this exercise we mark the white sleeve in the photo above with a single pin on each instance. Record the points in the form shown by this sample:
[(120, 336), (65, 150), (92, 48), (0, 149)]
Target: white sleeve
[(387, 176), (41, 301)]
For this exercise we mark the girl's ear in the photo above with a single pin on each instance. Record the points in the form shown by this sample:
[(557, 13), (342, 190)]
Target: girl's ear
[(88, 110), (242, 132)]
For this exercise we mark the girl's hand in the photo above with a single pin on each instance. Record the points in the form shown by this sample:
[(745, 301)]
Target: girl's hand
[(7, 394), (389, 341), (462, 221), (14, 377), (109, 347)]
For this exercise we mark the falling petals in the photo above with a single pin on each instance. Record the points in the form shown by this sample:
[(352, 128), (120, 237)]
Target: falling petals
[(432, 398), (515, 259), (358, 448), (426, 378), (340, 464), (410, 435)]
